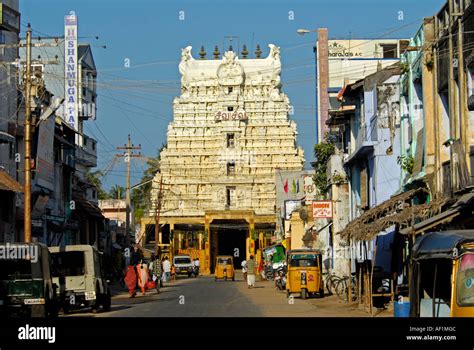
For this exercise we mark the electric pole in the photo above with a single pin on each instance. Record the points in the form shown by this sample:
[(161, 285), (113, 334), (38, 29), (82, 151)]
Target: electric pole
[(157, 218), (27, 188), (451, 99), (129, 147)]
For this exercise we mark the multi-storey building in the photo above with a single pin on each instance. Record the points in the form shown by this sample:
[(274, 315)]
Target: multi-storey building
[(65, 203), (229, 134), (342, 62), (9, 29)]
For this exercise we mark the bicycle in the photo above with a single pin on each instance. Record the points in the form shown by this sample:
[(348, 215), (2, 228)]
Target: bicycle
[(331, 280), (342, 288)]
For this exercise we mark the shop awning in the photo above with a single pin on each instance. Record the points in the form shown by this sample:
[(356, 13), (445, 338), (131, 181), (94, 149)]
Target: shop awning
[(340, 116), (6, 137), (117, 246), (442, 218), (7, 183), (392, 211), (88, 207)]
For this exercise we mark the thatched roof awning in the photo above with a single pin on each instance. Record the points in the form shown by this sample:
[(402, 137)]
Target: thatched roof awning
[(464, 202), (395, 210)]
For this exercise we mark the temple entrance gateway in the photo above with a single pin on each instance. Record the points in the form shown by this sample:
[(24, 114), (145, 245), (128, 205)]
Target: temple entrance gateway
[(228, 237)]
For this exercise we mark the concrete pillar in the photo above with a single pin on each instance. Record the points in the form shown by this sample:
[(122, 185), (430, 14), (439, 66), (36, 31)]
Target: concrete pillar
[(251, 248), (142, 232), (207, 245), (171, 230), (428, 101)]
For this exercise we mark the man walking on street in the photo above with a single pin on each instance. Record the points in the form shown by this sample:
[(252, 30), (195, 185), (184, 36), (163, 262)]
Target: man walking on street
[(244, 268), (167, 269), (251, 272), (157, 271)]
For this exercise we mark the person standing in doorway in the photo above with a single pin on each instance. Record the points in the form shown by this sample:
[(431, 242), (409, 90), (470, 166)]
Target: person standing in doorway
[(251, 272)]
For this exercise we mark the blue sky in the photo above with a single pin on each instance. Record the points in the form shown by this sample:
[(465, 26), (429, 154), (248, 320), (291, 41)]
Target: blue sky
[(150, 34)]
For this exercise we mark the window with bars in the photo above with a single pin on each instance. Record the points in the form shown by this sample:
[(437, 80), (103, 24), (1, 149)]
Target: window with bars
[(230, 169), (230, 140)]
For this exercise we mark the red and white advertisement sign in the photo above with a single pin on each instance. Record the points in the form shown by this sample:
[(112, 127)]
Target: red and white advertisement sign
[(322, 209)]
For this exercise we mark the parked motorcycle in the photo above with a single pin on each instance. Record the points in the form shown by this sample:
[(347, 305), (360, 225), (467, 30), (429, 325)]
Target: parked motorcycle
[(269, 275), (280, 278)]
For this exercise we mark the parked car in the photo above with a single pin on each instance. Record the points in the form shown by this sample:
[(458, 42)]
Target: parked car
[(183, 265), (26, 285), (78, 270)]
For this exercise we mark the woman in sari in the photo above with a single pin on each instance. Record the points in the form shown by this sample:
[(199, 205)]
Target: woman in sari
[(131, 280), (142, 276)]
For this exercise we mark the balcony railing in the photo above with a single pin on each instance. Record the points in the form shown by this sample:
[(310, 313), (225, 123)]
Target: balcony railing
[(87, 154)]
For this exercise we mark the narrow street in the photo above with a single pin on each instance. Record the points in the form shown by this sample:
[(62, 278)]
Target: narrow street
[(203, 297)]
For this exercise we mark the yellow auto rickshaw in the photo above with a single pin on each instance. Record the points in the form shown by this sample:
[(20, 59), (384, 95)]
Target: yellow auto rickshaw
[(304, 274), (224, 268), (442, 275)]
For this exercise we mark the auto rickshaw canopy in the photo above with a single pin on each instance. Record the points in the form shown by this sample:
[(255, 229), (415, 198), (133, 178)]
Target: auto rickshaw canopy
[(224, 260), (440, 245), (303, 251), (432, 290)]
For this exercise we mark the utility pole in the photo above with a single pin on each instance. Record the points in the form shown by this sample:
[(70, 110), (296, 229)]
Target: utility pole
[(451, 99), (463, 123), (27, 185), (129, 147), (157, 218)]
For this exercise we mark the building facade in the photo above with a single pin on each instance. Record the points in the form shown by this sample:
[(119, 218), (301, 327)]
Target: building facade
[(341, 62), (229, 134), (9, 186), (65, 204), (363, 172)]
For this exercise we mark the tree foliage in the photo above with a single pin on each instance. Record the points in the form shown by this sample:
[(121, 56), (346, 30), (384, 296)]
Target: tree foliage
[(117, 192), (94, 178), (322, 152)]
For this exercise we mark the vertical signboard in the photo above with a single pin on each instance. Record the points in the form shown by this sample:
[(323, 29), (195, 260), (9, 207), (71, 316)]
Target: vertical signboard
[(323, 75), (309, 189), (70, 70)]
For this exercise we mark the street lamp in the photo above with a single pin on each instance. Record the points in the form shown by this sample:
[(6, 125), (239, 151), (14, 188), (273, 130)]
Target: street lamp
[(305, 31), (302, 31)]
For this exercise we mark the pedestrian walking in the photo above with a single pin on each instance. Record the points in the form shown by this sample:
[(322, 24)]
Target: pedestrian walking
[(251, 272), (173, 273), (143, 275), (131, 274), (156, 270), (131, 280), (244, 269), (166, 269)]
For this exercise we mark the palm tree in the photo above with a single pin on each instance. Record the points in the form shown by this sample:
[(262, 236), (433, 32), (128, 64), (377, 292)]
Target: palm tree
[(117, 192)]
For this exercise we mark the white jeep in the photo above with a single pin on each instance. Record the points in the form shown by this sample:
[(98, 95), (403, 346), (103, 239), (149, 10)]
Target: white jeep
[(183, 265)]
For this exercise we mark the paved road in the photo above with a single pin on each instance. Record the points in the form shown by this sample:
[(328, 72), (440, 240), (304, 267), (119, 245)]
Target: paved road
[(201, 297)]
